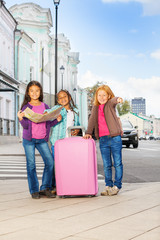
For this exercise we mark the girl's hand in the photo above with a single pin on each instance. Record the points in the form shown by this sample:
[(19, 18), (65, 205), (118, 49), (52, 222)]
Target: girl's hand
[(119, 100), (87, 136), (59, 118), (75, 132), (20, 115), (44, 113)]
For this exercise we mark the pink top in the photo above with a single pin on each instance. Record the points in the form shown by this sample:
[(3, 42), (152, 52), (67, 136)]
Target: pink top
[(102, 125), (39, 129)]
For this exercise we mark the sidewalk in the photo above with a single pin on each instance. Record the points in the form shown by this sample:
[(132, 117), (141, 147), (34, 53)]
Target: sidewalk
[(133, 214), (12, 149)]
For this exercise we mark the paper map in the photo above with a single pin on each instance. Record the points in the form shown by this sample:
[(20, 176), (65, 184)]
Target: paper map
[(37, 118)]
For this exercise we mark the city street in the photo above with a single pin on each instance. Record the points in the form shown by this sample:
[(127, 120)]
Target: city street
[(141, 164)]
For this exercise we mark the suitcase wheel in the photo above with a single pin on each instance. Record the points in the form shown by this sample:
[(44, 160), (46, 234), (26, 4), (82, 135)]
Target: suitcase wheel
[(63, 197), (90, 196)]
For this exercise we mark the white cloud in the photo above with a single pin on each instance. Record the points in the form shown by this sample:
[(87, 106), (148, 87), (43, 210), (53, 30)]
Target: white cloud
[(112, 1), (150, 7), (133, 87), (140, 55), (105, 54), (133, 31), (89, 79), (156, 54)]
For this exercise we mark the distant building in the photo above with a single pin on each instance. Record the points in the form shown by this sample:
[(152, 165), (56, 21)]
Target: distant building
[(145, 125), (138, 105)]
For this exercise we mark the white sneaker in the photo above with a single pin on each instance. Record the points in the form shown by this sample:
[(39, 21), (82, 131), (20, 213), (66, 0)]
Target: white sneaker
[(105, 192), (113, 191)]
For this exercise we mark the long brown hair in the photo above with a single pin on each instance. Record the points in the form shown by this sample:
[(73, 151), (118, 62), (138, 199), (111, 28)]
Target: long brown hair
[(71, 102), (105, 88), (27, 97)]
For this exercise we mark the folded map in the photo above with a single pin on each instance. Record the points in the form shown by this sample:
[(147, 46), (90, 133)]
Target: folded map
[(37, 118)]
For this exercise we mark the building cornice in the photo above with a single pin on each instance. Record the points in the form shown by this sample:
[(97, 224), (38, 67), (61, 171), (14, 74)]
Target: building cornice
[(23, 34), (2, 4), (18, 9), (13, 80)]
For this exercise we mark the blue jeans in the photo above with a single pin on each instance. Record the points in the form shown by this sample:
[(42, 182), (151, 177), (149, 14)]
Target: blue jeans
[(112, 146), (42, 146), (53, 177)]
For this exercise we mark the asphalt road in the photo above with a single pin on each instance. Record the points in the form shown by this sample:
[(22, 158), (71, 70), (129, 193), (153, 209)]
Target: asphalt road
[(141, 164)]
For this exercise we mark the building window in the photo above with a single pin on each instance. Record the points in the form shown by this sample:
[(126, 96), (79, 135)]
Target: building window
[(4, 55), (24, 66), (31, 73), (8, 103), (0, 106), (9, 57)]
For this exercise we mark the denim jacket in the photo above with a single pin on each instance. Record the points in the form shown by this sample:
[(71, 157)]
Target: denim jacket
[(59, 130)]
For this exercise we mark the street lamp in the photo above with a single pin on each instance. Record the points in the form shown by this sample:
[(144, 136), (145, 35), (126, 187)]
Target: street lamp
[(62, 72), (75, 90), (56, 3)]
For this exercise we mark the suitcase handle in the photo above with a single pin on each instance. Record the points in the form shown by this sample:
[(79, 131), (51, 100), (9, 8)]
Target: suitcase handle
[(69, 129)]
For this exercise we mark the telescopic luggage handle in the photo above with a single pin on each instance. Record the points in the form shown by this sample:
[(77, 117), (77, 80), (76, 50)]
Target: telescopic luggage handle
[(69, 129)]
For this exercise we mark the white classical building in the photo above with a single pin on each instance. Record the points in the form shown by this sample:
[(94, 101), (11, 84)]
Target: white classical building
[(145, 125), (8, 82), (36, 22), (37, 62), (28, 53)]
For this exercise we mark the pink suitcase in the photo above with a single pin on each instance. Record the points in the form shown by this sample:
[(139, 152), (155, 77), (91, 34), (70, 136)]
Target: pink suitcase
[(76, 167)]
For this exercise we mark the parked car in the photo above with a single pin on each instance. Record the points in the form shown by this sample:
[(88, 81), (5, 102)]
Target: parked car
[(142, 138), (151, 137), (130, 135), (157, 137)]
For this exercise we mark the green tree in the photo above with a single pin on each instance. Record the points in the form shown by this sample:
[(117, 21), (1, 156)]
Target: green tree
[(91, 90), (124, 107), (90, 95)]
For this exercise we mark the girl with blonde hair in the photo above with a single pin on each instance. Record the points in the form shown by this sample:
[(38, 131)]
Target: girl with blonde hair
[(107, 128)]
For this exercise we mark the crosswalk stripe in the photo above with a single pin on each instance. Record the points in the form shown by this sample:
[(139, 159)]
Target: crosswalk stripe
[(21, 176), (139, 149), (15, 168), (150, 149)]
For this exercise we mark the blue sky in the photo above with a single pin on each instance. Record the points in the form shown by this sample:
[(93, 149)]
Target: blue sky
[(118, 42)]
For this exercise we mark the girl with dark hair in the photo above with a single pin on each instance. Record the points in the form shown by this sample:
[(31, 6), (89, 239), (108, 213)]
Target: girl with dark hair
[(35, 135), (70, 117)]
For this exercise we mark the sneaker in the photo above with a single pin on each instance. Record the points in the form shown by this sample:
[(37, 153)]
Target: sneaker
[(113, 191), (105, 192), (35, 195), (48, 193), (53, 191)]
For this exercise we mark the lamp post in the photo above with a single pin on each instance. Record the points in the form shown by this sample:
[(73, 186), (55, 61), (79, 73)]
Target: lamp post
[(62, 72), (75, 91), (56, 3)]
